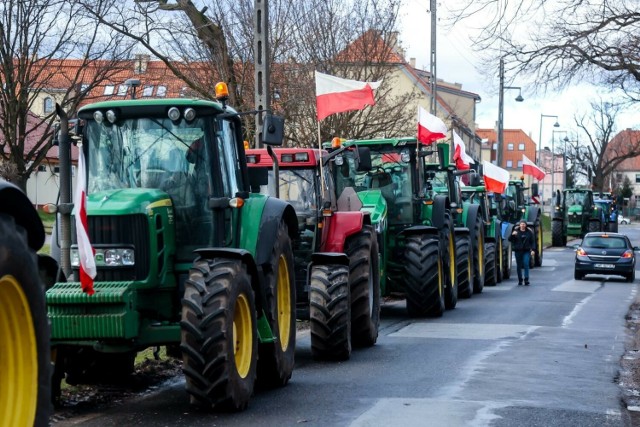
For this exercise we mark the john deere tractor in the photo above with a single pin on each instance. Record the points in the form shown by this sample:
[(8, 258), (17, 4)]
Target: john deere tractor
[(187, 257), (24, 331), (575, 215), (414, 225), (335, 252)]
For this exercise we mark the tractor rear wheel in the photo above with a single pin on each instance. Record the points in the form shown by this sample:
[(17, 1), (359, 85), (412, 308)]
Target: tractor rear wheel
[(219, 338), (424, 276), (464, 266), (539, 244), (612, 227), (478, 251), (364, 283), (490, 274), (330, 324), (449, 268), (25, 380), (595, 226), (499, 259), (557, 233), (507, 259)]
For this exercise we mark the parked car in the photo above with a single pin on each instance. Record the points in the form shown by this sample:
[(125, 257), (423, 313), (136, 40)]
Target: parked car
[(607, 254), (624, 220)]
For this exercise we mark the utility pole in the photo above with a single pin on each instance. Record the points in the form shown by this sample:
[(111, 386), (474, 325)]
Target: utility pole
[(261, 64), (432, 69)]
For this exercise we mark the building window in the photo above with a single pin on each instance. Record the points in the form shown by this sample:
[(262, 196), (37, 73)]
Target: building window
[(519, 163), (122, 90), (161, 92), (108, 89), (521, 146), (48, 105), (147, 91), (510, 147), (56, 169), (42, 168), (638, 178), (509, 163)]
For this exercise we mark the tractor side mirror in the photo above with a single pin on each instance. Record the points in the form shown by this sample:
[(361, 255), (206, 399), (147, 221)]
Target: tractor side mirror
[(474, 179), (534, 190), (558, 198), (273, 130), (363, 159)]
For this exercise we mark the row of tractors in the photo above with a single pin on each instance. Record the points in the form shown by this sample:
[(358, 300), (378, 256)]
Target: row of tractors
[(215, 251)]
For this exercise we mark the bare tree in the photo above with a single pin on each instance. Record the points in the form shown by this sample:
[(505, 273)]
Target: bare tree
[(35, 36), (599, 156), (561, 42)]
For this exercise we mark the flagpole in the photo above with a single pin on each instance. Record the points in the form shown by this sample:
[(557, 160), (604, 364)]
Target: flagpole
[(321, 165)]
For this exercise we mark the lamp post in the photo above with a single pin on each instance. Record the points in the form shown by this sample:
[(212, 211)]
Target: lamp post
[(555, 125), (553, 157), (519, 98)]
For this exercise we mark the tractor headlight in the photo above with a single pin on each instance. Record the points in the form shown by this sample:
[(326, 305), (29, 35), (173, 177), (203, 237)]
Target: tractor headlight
[(107, 257)]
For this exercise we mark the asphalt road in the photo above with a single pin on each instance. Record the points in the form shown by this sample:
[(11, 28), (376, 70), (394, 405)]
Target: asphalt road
[(543, 355)]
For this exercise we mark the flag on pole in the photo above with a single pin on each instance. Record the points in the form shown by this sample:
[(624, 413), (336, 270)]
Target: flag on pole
[(460, 156), (496, 179), (85, 251), (530, 168), (336, 95), (430, 128)]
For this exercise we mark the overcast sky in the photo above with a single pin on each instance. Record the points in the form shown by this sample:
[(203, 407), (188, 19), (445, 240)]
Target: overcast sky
[(456, 63)]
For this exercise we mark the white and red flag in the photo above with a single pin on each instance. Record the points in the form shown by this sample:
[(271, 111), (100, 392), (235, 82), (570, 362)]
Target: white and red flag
[(336, 95), (530, 168), (85, 251), (460, 156), (496, 179), (430, 128)]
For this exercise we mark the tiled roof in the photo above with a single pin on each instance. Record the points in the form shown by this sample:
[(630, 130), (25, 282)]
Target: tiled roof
[(620, 144), (370, 46)]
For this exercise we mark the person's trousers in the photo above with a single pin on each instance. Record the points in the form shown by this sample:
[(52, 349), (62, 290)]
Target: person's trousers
[(522, 263)]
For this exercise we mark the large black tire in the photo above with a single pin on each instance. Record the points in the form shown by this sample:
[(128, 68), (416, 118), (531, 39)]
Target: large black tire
[(219, 338), (424, 278), (631, 276), (364, 283), (25, 381), (490, 274), (276, 360), (464, 266), (507, 254), (557, 238), (539, 249), (612, 227), (478, 255), (499, 259), (449, 268), (329, 311), (595, 226)]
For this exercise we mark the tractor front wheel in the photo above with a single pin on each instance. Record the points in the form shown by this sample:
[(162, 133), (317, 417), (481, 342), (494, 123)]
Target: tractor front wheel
[(539, 244), (490, 275), (557, 238), (464, 266), (448, 254), (424, 276), (219, 338), (25, 380), (479, 255)]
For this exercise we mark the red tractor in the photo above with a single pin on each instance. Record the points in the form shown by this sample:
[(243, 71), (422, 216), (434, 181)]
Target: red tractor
[(336, 252)]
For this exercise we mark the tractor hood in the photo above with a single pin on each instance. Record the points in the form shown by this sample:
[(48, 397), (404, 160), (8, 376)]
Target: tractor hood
[(126, 201), (575, 209), (374, 203)]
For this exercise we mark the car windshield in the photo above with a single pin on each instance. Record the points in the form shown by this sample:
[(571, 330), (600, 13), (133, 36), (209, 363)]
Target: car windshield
[(602, 242)]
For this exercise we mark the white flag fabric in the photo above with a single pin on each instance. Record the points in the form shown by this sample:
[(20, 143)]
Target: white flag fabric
[(336, 95), (496, 179), (88, 269), (430, 127), (460, 156)]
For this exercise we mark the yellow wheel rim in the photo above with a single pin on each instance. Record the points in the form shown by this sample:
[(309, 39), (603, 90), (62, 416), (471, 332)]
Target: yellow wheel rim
[(18, 358), (242, 336), (284, 303), (539, 239), (481, 254), (452, 261), (499, 254), (440, 281)]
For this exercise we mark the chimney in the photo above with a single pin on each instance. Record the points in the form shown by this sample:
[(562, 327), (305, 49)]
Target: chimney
[(412, 62), (140, 63)]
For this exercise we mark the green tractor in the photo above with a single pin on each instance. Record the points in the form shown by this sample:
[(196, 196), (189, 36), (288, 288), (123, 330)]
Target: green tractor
[(187, 257), (414, 225), (336, 250), (25, 382), (575, 214), (495, 231), (513, 206)]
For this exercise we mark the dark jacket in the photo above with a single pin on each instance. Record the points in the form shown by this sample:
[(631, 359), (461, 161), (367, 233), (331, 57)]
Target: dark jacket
[(523, 241)]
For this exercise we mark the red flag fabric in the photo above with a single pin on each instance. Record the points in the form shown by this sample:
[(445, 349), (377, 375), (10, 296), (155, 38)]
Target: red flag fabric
[(496, 179), (460, 156), (530, 168), (430, 128), (336, 95), (85, 251)]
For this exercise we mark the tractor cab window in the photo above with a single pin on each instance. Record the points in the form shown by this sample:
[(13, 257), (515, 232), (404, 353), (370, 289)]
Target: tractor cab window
[(228, 155), (575, 198), (298, 187)]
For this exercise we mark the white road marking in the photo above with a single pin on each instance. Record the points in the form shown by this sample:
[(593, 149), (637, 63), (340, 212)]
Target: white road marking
[(482, 331), (568, 319)]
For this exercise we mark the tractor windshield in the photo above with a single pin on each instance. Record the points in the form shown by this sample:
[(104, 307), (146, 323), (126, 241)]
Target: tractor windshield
[(297, 186)]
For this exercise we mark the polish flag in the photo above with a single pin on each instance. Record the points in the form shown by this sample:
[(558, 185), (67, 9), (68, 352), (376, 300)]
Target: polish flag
[(460, 156), (496, 179), (336, 95), (530, 168), (86, 252), (430, 128)]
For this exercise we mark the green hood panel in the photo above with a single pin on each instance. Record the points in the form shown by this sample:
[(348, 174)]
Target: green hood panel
[(373, 202), (126, 201)]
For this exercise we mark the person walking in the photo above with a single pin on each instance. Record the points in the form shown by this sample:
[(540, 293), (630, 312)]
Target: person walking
[(522, 243)]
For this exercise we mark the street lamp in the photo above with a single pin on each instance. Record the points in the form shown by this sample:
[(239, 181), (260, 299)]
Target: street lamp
[(519, 98), (555, 125), (553, 157)]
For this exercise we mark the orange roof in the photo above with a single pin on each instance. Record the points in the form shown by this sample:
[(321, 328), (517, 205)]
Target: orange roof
[(624, 143)]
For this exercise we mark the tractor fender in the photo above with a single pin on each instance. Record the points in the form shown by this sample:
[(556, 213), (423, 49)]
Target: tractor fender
[(340, 226), (506, 229), (257, 276), (461, 231), (472, 216), (324, 258), (533, 214), (440, 207), (275, 210), (421, 229), (16, 204)]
